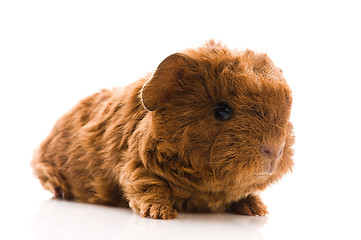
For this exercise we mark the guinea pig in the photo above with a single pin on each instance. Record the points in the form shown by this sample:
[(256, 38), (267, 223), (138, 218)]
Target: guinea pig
[(206, 132)]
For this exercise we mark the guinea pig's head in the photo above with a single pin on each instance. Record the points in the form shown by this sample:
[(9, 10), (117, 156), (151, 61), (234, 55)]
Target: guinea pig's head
[(224, 114)]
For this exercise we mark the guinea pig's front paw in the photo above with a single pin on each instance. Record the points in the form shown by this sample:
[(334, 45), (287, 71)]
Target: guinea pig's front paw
[(251, 205), (157, 209)]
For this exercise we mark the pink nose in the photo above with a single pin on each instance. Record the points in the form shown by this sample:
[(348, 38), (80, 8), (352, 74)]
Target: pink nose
[(271, 152)]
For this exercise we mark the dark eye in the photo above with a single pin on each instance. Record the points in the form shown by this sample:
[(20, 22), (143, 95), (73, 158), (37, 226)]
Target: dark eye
[(222, 112)]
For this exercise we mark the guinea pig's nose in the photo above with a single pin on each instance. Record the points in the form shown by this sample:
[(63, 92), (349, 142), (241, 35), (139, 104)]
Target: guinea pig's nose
[(272, 152)]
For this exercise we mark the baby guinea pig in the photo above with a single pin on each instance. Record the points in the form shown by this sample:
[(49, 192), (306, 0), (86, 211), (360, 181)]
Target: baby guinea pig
[(206, 132)]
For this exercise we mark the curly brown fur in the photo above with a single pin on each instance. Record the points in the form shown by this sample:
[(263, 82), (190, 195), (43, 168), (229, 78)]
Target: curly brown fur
[(157, 146)]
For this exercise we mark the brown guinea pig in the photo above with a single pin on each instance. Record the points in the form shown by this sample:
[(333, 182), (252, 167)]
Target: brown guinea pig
[(205, 132)]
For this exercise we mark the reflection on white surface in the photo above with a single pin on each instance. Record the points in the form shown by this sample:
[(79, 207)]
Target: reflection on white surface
[(58, 219)]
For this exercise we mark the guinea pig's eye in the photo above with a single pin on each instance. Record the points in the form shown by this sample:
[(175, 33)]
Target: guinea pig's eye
[(222, 112)]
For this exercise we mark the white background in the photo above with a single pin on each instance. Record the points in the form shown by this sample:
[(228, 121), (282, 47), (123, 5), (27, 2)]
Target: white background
[(53, 53)]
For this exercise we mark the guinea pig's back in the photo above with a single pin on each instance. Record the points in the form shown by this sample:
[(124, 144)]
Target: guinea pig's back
[(80, 157), (51, 158)]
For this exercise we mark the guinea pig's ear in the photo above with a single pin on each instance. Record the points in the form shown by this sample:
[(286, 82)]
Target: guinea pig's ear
[(164, 82)]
